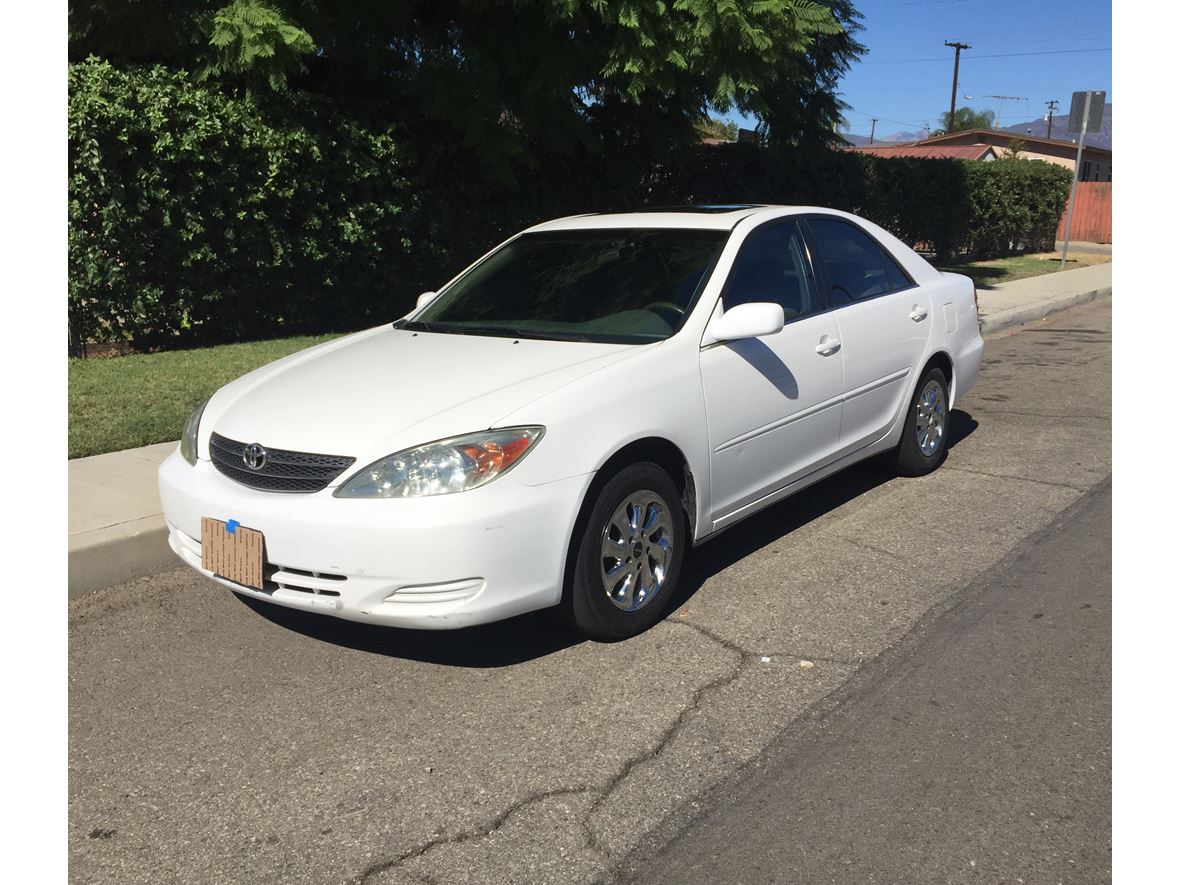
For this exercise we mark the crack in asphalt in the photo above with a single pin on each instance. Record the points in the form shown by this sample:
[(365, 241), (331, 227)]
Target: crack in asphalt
[(761, 653), (376, 869), (669, 734), (603, 793), (1040, 482)]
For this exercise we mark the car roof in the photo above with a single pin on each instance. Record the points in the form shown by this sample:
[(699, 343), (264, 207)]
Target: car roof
[(707, 217), (727, 217)]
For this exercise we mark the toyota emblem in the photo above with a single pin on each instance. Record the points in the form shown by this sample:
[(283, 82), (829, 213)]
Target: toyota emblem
[(254, 456)]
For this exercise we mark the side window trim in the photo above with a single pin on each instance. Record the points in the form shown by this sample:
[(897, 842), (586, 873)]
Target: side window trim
[(822, 281), (822, 303), (822, 267)]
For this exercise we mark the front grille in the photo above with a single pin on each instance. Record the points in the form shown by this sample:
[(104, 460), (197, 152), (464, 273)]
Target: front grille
[(283, 472)]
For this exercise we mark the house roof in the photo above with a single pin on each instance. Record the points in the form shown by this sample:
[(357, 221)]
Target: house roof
[(929, 152), (1006, 135)]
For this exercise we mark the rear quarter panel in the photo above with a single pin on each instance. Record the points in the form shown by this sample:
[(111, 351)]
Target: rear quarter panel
[(957, 328)]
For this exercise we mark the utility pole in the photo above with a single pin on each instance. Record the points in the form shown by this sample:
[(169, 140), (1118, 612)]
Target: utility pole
[(1080, 122), (1052, 104), (873, 131), (958, 47)]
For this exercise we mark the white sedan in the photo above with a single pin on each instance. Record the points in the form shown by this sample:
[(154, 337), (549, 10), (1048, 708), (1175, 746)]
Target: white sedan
[(562, 421)]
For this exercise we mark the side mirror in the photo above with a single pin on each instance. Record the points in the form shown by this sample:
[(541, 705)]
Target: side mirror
[(752, 320), (425, 298)]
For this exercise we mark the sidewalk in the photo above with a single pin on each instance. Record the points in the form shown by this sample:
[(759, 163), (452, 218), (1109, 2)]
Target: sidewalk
[(1083, 246), (117, 529), (1033, 298)]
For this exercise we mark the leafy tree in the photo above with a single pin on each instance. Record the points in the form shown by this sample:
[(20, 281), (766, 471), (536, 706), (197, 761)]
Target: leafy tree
[(965, 118), (502, 78), (252, 40), (722, 130), (1014, 149), (248, 41), (800, 105)]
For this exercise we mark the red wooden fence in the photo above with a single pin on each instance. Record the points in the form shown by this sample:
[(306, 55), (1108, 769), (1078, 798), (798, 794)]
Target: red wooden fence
[(1092, 218)]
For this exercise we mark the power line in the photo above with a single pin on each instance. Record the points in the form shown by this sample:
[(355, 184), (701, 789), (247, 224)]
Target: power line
[(886, 119), (906, 61)]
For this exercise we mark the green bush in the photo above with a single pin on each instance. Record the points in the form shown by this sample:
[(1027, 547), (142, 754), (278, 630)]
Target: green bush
[(196, 216), (922, 202), (949, 207), (199, 216), (1014, 205)]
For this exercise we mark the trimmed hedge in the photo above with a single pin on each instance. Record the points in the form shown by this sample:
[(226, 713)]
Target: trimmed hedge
[(198, 216), (1013, 205)]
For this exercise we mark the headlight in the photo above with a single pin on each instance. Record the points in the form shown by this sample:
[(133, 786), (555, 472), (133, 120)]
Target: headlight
[(188, 439), (443, 467)]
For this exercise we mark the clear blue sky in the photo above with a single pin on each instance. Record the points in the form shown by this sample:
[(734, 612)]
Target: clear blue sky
[(892, 81)]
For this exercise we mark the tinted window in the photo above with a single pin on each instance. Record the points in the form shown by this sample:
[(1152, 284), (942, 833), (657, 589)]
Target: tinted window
[(857, 268), (773, 266), (627, 285), (894, 273)]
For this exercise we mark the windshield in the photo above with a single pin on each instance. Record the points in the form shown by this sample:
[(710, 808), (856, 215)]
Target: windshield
[(629, 286)]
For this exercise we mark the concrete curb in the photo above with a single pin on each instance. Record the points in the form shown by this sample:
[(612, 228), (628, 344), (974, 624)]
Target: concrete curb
[(110, 556), (1027, 313), (116, 524)]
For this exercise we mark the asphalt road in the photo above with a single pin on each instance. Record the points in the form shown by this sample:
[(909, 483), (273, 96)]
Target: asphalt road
[(213, 740), (978, 750)]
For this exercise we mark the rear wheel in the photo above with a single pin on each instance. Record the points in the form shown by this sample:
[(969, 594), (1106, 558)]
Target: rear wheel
[(923, 439), (629, 554)]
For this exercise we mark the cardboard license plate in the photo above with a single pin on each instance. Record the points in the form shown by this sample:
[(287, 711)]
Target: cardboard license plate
[(234, 555)]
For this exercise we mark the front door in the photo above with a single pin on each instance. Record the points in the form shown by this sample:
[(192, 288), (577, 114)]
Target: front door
[(773, 403)]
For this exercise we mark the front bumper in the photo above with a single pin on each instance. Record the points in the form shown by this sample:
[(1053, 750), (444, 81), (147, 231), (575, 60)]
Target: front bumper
[(435, 563)]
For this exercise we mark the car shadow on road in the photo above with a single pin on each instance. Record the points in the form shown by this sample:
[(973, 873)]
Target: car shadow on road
[(538, 634), (779, 520)]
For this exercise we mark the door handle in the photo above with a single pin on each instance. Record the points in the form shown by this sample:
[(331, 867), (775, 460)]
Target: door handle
[(827, 346), (918, 314)]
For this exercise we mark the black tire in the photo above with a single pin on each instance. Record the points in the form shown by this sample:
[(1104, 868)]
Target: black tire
[(911, 459), (587, 605)]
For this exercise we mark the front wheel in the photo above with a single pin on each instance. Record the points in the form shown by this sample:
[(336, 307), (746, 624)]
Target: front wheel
[(629, 554), (923, 438)]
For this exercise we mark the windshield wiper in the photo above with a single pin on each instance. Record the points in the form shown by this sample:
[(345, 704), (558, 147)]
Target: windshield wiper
[(518, 332), (418, 326), (491, 329)]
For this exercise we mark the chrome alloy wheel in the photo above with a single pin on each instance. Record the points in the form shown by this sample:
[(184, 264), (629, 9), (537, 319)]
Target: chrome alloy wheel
[(930, 423), (636, 550)]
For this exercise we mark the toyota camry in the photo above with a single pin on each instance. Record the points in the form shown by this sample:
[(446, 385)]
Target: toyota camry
[(560, 423)]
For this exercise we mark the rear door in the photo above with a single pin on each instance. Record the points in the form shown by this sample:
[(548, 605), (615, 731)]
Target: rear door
[(773, 403), (884, 324)]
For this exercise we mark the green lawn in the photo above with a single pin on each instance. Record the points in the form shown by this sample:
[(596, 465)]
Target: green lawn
[(1002, 270), (129, 401)]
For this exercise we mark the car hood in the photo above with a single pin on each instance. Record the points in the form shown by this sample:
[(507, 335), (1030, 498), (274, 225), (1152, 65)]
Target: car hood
[(376, 392)]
